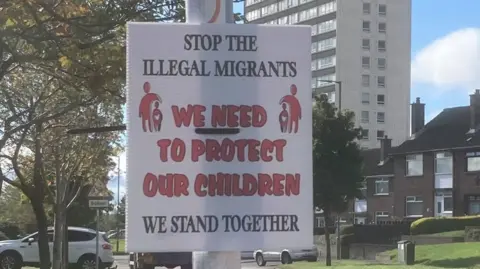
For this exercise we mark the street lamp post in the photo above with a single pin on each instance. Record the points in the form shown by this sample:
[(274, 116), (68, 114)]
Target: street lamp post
[(339, 83)]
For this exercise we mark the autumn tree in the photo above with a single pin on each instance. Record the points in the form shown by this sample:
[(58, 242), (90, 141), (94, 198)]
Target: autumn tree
[(337, 163)]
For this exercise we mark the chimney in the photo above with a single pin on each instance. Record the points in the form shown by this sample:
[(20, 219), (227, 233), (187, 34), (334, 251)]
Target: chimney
[(418, 116), (385, 147), (474, 110)]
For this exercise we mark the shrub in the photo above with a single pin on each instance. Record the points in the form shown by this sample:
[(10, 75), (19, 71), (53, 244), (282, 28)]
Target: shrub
[(9, 229), (473, 235), (3, 236), (443, 224)]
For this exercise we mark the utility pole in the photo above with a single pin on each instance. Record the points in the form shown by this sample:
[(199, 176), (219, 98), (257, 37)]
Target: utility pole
[(118, 205)]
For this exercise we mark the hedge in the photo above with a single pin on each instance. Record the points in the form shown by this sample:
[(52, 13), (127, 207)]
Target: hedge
[(10, 230), (3, 236), (442, 224)]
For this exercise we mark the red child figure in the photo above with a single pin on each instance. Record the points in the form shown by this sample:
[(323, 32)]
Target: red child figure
[(145, 107), (157, 117), (295, 108), (283, 118)]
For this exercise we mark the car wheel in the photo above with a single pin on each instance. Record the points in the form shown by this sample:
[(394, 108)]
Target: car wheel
[(10, 261), (286, 259), (88, 262), (259, 259)]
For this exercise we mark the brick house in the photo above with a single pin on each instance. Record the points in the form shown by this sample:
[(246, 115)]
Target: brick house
[(436, 172)]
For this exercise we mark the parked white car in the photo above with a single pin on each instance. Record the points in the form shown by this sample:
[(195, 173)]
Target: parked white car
[(14, 254), (286, 256)]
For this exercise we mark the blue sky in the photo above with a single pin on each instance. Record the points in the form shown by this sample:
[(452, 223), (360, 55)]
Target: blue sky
[(445, 56)]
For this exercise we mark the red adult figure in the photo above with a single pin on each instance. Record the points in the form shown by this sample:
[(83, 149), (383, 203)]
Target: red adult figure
[(157, 117), (283, 118), (295, 108), (145, 111)]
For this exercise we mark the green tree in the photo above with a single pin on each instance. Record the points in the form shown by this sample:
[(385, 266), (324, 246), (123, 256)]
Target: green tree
[(337, 163), (14, 209)]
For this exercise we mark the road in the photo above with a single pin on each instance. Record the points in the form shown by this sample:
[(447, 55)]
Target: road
[(122, 262)]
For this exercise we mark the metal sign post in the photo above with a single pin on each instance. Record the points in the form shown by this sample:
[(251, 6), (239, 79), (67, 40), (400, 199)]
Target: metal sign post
[(98, 199)]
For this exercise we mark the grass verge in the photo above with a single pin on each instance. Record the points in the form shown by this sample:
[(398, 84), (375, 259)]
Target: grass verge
[(457, 255)]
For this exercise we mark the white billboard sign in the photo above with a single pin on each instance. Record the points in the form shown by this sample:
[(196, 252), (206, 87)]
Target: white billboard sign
[(192, 190)]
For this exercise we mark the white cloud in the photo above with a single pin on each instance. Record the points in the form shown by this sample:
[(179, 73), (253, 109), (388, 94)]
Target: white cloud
[(450, 61)]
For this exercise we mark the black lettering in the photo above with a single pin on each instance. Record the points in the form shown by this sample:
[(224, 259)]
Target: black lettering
[(148, 67), (152, 222), (241, 42), (187, 42), (258, 223)]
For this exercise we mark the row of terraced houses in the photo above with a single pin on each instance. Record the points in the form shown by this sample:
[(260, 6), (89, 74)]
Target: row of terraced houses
[(436, 172)]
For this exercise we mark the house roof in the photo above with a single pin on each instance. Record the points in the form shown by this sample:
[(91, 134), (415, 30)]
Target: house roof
[(372, 165), (447, 130)]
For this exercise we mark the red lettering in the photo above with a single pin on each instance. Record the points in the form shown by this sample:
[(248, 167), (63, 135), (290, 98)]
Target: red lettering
[(245, 118), (225, 184), (198, 149), (227, 150), (201, 182), (292, 184), (177, 150), (234, 116), (278, 184), (264, 185), (259, 116), (163, 145), (216, 185), (232, 119), (168, 185), (150, 185), (219, 116), (183, 116)]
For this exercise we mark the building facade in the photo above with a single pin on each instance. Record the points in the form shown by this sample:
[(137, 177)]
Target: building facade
[(360, 56), (434, 173)]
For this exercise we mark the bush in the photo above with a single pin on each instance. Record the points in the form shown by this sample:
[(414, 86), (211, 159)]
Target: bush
[(443, 224), (9, 230), (3, 236), (472, 235)]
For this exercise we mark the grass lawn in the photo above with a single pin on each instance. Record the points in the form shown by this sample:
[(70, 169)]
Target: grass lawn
[(121, 246), (460, 233), (458, 255)]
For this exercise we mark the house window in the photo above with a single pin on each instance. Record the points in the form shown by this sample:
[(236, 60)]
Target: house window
[(414, 164), (366, 62), (365, 134), (363, 190), (365, 117), (473, 161), (443, 163), (414, 206), (365, 98), (366, 8), (366, 44), (314, 65), (380, 117), (314, 47), (382, 27), (380, 99), (366, 26), (314, 29), (380, 134), (381, 63), (381, 81), (381, 217), (443, 202), (366, 80), (381, 187), (382, 10), (473, 205), (382, 45)]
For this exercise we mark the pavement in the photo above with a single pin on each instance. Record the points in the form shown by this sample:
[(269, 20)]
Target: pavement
[(122, 262)]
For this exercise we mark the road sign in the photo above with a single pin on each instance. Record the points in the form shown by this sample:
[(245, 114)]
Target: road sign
[(219, 143), (99, 191), (98, 203)]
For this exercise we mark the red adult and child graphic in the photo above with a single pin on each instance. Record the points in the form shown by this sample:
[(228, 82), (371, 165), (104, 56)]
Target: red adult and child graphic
[(152, 117)]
